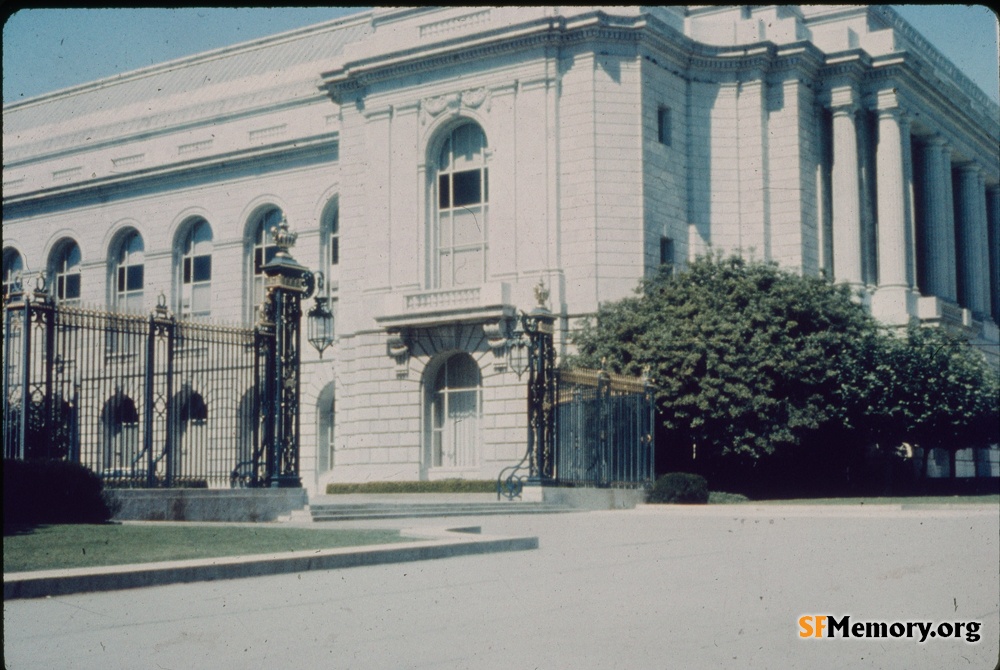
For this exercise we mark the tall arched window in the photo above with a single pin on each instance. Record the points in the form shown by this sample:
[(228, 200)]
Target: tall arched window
[(325, 428), (461, 214), (13, 266), (195, 298), (129, 273), (454, 401), (64, 272), (120, 437), (191, 447), (262, 251)]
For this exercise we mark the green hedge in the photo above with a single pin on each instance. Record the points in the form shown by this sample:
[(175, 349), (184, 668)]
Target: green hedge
[(438, 486), (50, 492), (679, 487)]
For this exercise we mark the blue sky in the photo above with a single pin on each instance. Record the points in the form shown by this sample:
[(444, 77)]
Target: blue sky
[(50, 49)]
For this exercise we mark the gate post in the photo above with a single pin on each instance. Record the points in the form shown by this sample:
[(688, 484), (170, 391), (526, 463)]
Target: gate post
[(161, 326), (287, 283), (538, 325)]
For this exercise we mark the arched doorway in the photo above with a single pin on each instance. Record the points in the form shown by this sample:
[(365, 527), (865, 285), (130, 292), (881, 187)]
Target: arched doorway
[(453, 408)]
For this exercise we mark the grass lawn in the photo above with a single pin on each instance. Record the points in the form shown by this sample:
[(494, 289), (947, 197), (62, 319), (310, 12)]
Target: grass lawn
[(77, 546)]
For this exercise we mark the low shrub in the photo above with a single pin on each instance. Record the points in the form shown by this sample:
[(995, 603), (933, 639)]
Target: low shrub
[(679, 487), (437, 486), (721, 498), (50, 492)]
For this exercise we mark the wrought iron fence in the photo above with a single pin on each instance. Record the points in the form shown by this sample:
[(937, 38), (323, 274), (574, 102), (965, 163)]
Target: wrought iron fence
[(143, 401), (603, 429)]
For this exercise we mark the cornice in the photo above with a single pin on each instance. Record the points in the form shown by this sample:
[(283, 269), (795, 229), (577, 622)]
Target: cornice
[(549, 31), (288, 150), (14, 156)]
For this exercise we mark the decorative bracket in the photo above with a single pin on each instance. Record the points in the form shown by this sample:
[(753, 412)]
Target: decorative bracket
[(398, 347)]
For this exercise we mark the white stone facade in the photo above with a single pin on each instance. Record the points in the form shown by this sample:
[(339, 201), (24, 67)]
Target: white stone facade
[(605, 140)]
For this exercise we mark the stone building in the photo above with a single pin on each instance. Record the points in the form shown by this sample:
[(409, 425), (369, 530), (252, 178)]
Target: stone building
[(439, 163)]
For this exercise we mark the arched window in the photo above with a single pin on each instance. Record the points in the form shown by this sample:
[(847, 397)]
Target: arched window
[(453, 408), (461, 213), (195, 267), (64, 272), (129, 273), (325, 428), (13, 266), (191, 444), (120, 429), (262, 251)]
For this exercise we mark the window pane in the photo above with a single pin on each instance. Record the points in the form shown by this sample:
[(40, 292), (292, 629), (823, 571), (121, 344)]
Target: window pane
[(73, 257), (444, 193), (187, 271), (444, 230), (202, 268), (467, 188), (469, 267), (468, 224), (258, 263), (201, 299), (334, 250), (269, 253), (201, 238), (121, 279), (71, 289), (134, 279)]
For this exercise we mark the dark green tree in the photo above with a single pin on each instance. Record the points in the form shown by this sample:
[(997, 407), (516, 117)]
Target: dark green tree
[(755, 367), (932, 390)]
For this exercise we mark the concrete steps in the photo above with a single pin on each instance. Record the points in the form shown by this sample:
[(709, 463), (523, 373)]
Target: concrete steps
[(346, 511)]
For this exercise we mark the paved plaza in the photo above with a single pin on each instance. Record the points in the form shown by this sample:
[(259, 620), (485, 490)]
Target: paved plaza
[(664, 587)]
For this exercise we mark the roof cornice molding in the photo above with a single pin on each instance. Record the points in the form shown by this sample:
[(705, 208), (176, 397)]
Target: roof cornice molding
[(356, 75), (107, 136), (287, 150)]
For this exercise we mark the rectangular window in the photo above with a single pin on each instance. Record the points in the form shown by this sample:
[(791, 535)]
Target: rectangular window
[(667, 253), (334, 249), (663, 125)]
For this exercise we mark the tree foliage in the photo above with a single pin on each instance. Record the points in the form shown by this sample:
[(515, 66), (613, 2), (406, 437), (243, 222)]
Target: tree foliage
[(757, 365)]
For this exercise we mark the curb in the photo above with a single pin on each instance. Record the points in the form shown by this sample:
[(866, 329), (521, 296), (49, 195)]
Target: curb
[(440, 543)]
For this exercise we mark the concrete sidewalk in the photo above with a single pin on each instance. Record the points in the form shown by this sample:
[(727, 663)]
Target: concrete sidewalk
[(718, 587)]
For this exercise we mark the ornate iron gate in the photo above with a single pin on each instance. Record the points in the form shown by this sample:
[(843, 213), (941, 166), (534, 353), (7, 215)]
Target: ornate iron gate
[(141, 400), (152, 401), (603, 429)]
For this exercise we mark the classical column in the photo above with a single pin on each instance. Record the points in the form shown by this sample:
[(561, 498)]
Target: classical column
[(993, 232), (939, 221), (894, 250), (972, 239), (846, 196)]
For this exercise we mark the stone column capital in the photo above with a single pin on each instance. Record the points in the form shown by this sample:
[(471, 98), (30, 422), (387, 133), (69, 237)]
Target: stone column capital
[(842, 99), (937, 142), (971, 169)]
